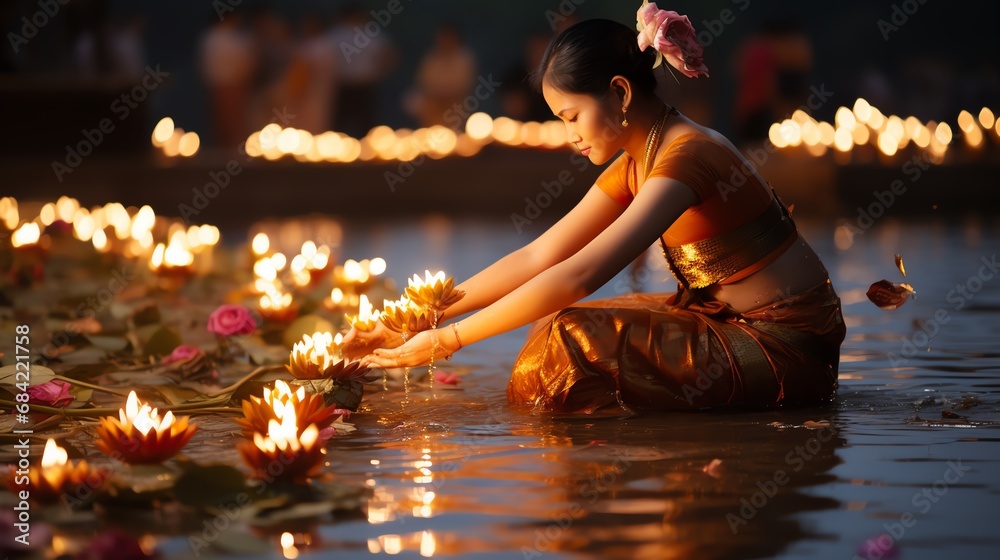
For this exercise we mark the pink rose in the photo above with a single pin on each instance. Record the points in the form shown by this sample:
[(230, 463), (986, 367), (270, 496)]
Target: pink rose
[(446, 378), (673, 36), (50, 393), (230, 320), (115, 544), (182, 353)]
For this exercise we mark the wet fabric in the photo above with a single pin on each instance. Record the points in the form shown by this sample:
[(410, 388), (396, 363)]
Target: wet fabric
[(680, 352)]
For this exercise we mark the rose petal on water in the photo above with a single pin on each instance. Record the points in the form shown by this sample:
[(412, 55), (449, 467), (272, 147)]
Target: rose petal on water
[(446, 378), (882, 546), (887, 295)]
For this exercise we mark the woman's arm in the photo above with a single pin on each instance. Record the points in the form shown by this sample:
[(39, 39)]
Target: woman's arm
[(658, 204), (567, 236)]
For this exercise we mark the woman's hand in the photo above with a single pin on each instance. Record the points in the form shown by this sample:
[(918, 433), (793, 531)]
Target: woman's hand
[(360, 343), (417, 351)]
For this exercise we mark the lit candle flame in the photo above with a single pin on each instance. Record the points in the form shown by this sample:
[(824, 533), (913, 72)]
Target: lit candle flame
[(140, 436), (261, 244), (53, 455), (28, 234), (367, 318)]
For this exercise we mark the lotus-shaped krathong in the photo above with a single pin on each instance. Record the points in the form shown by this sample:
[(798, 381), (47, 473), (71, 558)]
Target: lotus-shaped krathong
[(433, 292), (319, 356), (140, 437), (403, 316), (57, 476), (366, 319), (283, 453), (309, 409)]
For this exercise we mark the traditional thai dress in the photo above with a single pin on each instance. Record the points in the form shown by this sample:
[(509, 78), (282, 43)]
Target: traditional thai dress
[(684, 350)]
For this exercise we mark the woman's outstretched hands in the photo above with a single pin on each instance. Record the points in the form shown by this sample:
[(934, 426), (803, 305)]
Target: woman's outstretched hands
[(417, 351), (360, 343)]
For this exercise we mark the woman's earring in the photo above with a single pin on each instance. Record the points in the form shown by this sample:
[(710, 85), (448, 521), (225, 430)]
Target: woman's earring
[(624, 118)]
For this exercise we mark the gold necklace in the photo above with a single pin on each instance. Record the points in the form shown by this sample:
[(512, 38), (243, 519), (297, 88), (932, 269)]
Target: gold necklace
[(653, 141)]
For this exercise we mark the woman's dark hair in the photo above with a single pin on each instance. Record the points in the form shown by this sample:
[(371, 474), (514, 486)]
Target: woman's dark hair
[(583, 59)]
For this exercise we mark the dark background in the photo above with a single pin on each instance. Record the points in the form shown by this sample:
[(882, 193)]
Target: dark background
[(941, 60)]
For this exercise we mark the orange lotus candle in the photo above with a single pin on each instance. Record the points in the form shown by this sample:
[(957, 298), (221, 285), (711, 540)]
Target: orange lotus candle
[(318, 356), (308, 409), (139, 436), (173, 262), (277, 306), (367, 318), (283, 453), (56, 477), (433, 292), (403, 316)]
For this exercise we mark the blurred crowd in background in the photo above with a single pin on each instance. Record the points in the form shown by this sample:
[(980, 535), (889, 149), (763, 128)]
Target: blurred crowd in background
[(334, 70)]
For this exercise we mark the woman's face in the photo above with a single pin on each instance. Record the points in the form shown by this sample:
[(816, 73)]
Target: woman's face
[(590, 124)]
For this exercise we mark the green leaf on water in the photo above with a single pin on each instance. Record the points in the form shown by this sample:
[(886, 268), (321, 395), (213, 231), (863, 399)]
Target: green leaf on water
[(149, 315), (297, 511), (89, 371), (177, 395), (82, 394), (210, 486), (109, 343), (12, 374), (243, 544), (162, 342)]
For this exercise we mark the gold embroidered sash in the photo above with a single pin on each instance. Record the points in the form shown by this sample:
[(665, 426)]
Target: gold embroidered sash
[(714, 259)]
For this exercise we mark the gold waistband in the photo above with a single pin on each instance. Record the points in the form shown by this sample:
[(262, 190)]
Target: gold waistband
[(711, 260)]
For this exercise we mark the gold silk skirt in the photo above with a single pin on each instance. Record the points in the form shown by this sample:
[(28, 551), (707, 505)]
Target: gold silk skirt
[(677, 352)]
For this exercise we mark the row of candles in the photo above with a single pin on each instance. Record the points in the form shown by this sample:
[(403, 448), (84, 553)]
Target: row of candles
[(856, 126), (863, 124), (174, 141), (113, 229), (185, 252), (274, 142), (275, 276)]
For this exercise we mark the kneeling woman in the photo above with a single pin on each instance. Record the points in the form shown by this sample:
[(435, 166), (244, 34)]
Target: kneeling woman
[(755, 322)]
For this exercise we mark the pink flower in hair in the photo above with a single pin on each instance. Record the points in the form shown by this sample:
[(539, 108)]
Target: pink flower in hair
[(673, 36)]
